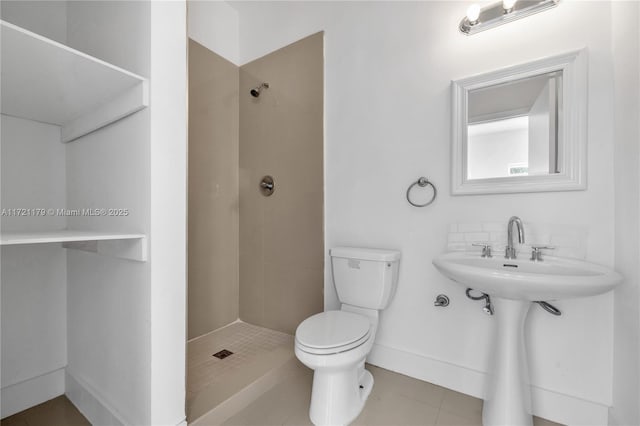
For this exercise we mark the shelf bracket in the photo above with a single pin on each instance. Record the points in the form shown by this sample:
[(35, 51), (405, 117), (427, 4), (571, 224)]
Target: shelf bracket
[(123, 105), (131, 249)]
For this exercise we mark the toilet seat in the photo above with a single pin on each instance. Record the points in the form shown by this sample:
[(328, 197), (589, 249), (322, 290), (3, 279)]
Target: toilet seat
[(332, 332)]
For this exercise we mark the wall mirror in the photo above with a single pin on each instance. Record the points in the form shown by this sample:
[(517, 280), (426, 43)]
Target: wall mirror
[(522, 128)]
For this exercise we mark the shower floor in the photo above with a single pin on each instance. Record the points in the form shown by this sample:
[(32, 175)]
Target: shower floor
[(218, 388)]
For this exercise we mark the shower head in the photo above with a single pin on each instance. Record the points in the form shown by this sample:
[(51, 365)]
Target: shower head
[(255, 92)]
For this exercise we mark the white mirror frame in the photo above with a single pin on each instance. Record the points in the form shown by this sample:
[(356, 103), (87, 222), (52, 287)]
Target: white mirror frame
[(572, 155)]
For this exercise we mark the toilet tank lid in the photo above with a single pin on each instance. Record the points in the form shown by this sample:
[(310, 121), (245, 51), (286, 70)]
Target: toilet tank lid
[(384, 255)]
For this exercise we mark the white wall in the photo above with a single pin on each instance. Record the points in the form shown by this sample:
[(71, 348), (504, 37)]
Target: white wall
[(626, 50), (109, 300), (114, 31), (215, 25), (47, 17), (168, 212), (388, 71), (34, 279), (127, 320)]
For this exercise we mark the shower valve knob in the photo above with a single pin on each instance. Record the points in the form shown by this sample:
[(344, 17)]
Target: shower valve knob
[(267, 186)]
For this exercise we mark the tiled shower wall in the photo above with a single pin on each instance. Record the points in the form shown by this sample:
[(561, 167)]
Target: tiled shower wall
[(281, 236), (213, 191), (260, 259)]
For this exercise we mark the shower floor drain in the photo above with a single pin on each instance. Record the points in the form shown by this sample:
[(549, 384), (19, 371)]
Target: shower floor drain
[(223, 354)]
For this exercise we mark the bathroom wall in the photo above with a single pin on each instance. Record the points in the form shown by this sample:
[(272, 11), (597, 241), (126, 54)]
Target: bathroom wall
[(213, 190), (168, 245), (281, 236), (214, 24), (626, 368), (388, 68)]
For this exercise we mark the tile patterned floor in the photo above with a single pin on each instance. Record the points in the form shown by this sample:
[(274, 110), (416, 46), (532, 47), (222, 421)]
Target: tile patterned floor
[(210, 380), (395, 400), (56, 412)]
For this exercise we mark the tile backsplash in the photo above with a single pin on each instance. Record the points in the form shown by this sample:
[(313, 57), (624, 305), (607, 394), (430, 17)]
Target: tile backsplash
[(567, 240)]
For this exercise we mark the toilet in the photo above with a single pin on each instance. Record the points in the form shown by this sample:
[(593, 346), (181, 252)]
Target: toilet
[(335, 344)]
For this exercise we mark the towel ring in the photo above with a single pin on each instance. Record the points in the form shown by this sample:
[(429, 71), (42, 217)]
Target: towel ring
[(422, 182)]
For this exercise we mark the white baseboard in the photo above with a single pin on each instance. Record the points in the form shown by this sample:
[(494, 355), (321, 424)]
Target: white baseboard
[(547, 404), (89, 402), (26, 394)]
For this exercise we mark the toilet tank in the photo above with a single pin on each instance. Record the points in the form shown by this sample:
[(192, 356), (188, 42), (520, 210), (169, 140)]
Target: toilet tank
[(365, 277)]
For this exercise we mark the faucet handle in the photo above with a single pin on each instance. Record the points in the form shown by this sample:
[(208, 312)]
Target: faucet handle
[(486, 249), (536, 252)]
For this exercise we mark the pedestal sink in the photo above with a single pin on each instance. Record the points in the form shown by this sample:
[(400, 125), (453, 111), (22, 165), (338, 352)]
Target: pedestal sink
[(513, 285)]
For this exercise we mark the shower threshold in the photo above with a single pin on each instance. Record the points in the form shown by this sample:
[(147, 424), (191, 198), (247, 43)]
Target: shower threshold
[(218, 388)]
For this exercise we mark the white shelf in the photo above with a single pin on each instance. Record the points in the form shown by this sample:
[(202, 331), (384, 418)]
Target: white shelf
[(46, 81), (122, 245), (62, 236)]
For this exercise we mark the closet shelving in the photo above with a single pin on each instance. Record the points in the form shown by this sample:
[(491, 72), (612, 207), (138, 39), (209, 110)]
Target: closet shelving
[(43, 80), (62, 236), (121, 245), (46, 81)]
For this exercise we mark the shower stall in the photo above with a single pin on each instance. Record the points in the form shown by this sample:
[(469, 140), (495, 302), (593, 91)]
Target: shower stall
[(255, 229)]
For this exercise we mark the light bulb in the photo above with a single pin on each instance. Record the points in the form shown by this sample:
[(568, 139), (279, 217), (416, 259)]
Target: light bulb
[(473, 13), (507, 5)]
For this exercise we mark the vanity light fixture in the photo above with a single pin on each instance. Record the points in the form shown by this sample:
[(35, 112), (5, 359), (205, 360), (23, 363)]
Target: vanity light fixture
[(480, 19), (507, 6), (473, 12)]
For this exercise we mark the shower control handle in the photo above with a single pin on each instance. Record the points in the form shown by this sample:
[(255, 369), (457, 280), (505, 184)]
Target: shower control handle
[(267, 186)]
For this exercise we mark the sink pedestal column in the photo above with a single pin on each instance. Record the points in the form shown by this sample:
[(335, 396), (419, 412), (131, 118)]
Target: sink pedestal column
[(508, 400)]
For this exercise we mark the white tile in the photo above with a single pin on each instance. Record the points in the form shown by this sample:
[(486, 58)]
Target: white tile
[(455, 237), (476, 237), (457, 247), (493, 226), (469, 227), (498, 236), (539, 239), (256, 350)]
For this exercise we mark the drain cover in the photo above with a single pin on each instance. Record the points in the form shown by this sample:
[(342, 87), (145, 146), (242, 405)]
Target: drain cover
[(223, 354)]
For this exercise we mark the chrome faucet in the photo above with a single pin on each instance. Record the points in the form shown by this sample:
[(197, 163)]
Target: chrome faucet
[(510, 250)]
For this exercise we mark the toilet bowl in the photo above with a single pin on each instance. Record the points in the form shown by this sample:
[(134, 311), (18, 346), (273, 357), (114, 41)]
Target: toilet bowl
[(336, 343)]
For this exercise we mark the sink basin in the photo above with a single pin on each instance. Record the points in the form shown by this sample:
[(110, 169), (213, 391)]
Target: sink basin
[(522, 279)]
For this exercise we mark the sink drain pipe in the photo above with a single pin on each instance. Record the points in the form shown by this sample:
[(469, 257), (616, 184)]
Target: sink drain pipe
[(549, 308), (488, 307)]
